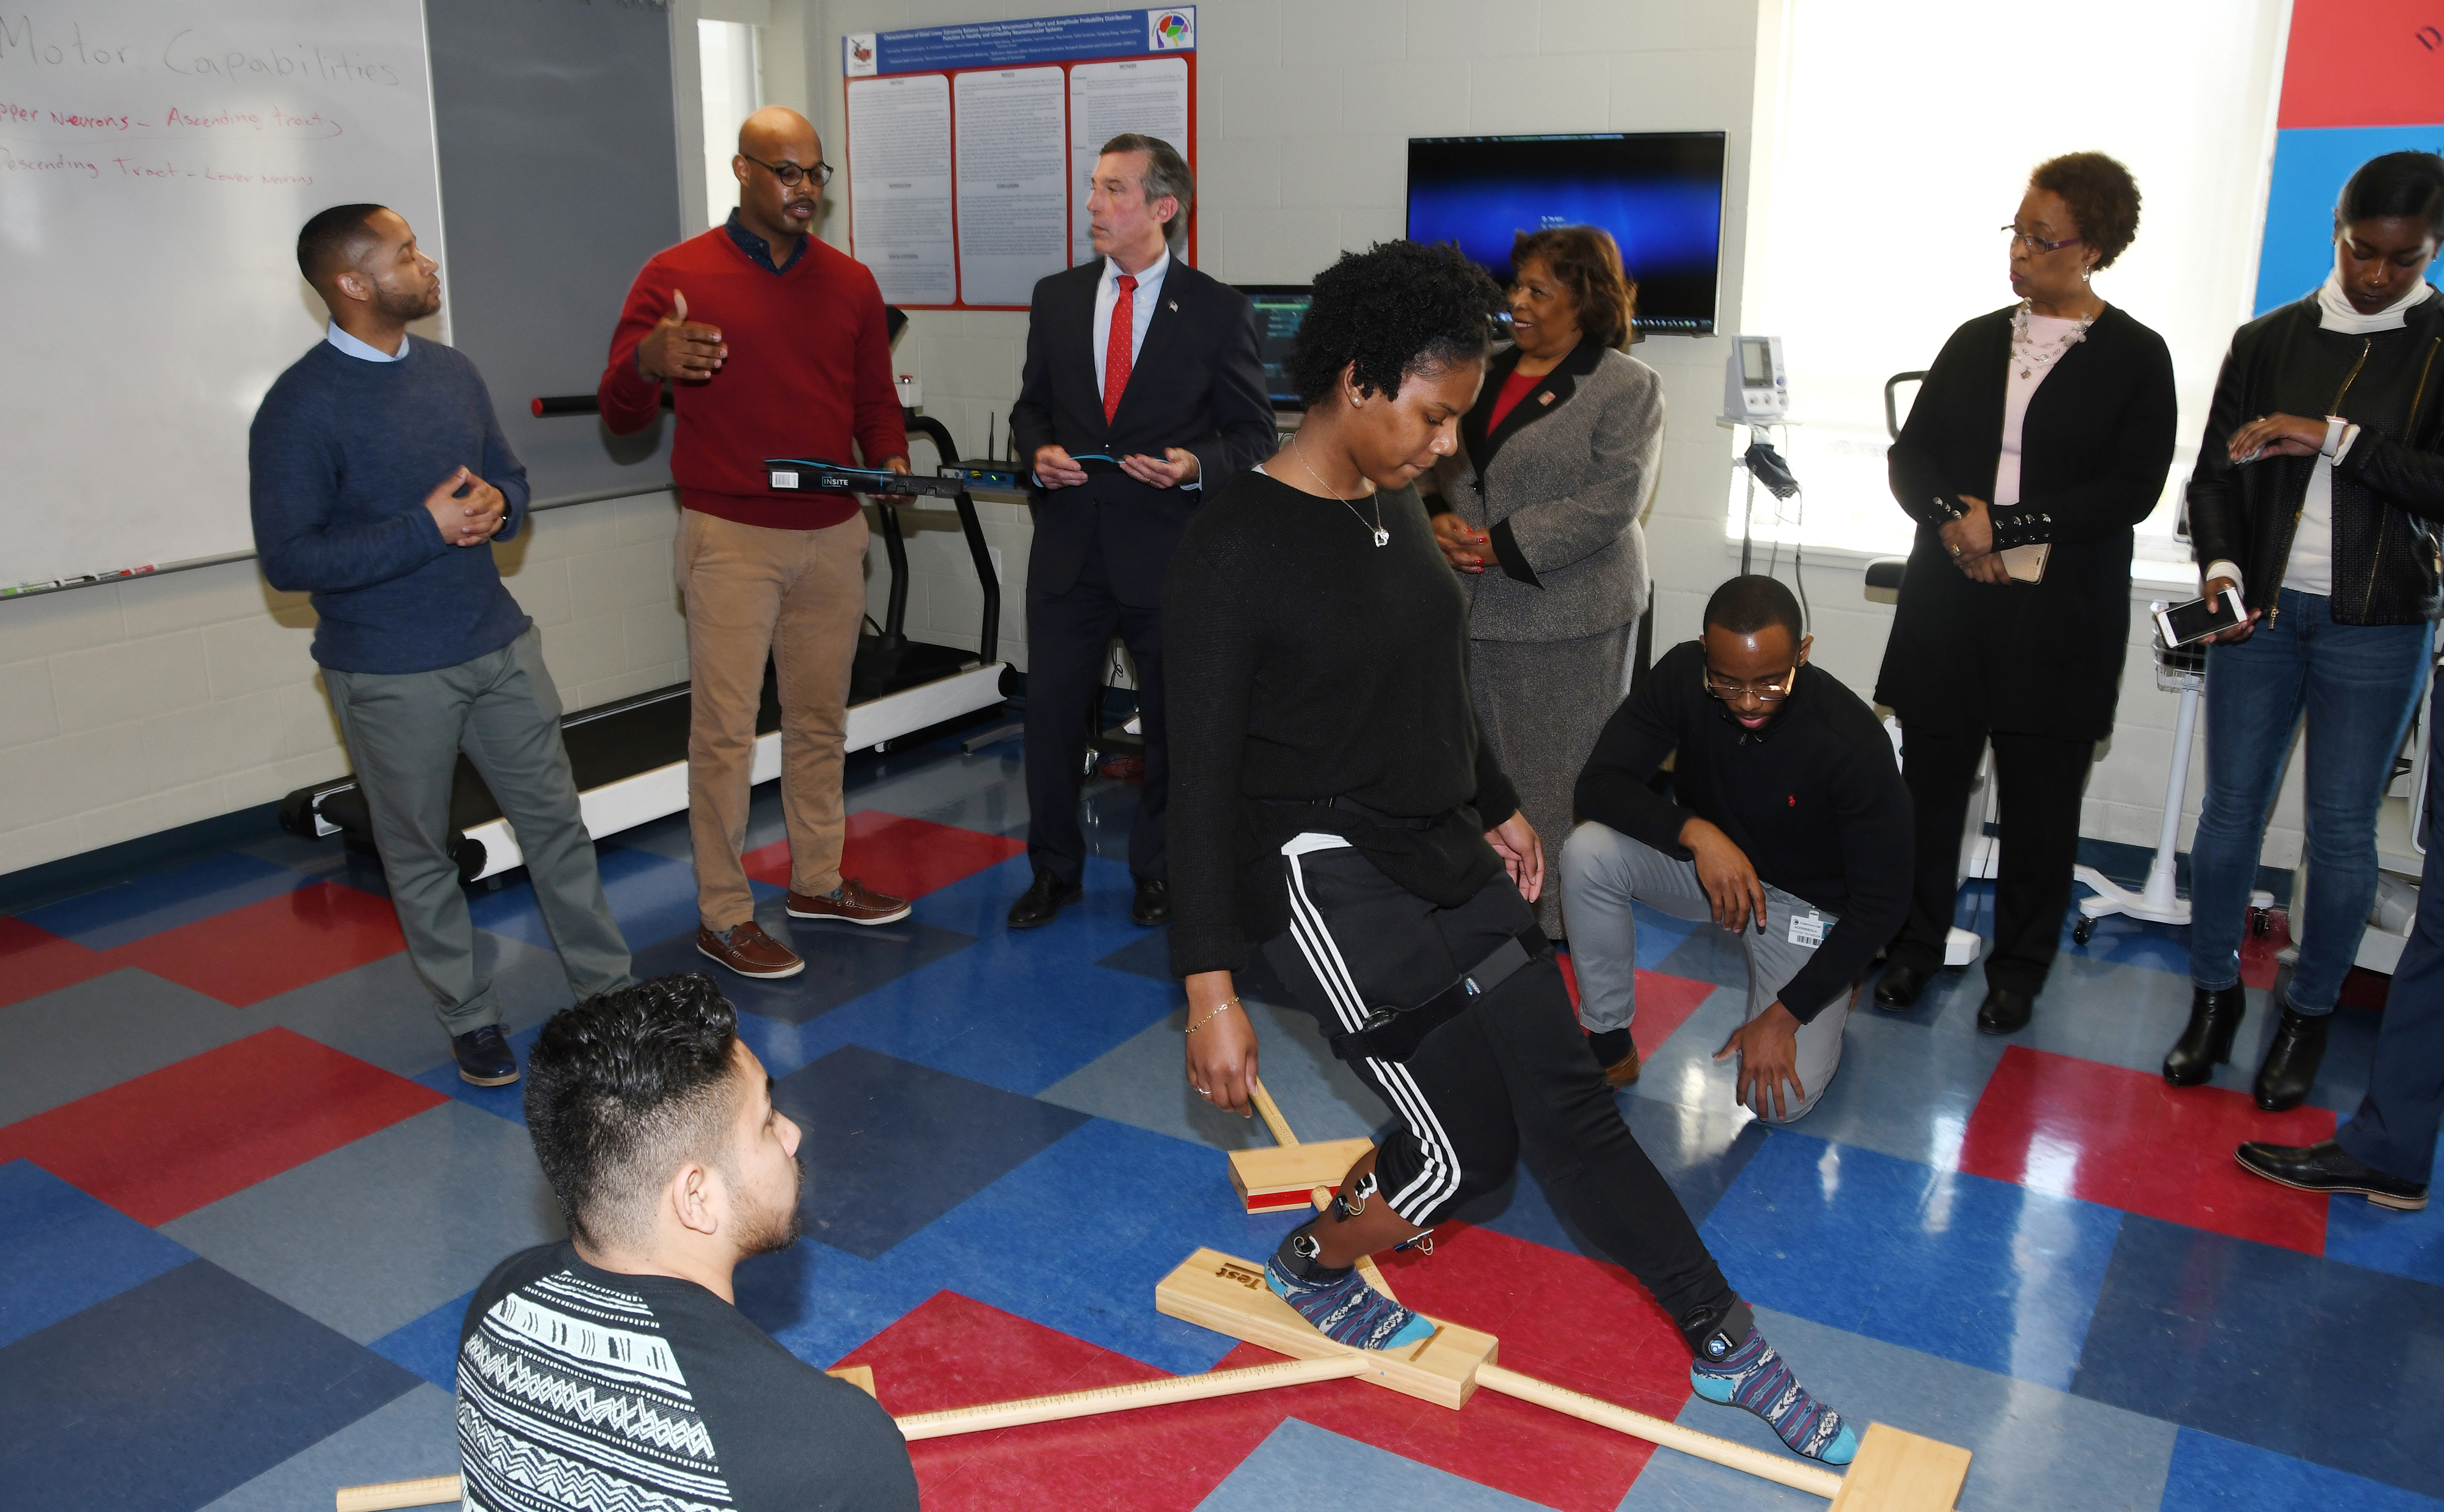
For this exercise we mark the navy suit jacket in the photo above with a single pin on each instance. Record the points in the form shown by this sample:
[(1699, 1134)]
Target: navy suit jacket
[(1196, 383)]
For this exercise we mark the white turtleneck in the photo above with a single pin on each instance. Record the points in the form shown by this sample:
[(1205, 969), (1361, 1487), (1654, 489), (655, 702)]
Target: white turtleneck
[(2310, 568)]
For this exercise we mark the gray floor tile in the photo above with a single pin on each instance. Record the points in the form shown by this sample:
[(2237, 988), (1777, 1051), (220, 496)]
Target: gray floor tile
[(380, 1232), (413, 1437), (75, 1041)]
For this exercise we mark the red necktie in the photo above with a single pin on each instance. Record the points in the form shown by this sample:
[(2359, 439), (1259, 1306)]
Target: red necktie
[(1116, 350)]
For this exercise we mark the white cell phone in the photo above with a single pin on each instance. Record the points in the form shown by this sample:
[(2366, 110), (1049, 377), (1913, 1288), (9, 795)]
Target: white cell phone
[(2200, 617)]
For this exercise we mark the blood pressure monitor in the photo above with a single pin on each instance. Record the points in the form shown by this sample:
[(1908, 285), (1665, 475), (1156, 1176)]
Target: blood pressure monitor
[(1754, 386)]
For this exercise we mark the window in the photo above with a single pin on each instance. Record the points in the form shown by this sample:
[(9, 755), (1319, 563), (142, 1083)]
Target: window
[(730, 59), (1905, 135)]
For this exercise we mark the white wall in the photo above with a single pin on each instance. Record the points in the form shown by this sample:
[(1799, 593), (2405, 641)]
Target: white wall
[(151, 704)]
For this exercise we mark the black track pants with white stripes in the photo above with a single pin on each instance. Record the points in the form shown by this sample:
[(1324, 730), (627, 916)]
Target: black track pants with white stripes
[(1509, 1076)]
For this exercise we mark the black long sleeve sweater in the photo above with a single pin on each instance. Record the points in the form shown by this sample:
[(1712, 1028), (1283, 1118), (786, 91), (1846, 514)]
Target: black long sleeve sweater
[(1304, 662), (1815, 800)]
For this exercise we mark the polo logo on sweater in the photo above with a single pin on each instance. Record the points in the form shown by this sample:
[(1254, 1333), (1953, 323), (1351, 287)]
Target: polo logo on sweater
[(1794, 799)]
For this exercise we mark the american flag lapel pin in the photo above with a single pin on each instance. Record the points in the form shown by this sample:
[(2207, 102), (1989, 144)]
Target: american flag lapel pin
[(1545, 397), (1172, 304)]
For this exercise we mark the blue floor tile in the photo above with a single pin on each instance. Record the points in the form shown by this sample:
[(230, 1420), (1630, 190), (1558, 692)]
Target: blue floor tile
[(174, 1391), (844, 963), (2269, 1347), (61, 1251), (183, 895), (1302, 1466), (653, 896), (429, 1346), (889, 1146), (1978, 1271), (2358, 1232), (2213, 1474)]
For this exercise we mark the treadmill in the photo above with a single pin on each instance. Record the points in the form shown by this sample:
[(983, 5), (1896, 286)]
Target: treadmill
[(629, 757)]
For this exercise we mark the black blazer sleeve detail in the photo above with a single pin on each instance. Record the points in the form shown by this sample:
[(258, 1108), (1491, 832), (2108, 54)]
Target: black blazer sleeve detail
[(1927, 493), (1514, 561)]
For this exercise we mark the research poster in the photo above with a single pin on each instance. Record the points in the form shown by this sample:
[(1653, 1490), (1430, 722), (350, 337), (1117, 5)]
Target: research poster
[(970, 146), (900, 186)]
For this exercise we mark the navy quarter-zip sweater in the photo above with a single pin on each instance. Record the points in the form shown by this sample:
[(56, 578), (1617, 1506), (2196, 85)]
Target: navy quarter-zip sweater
[(340, 460)]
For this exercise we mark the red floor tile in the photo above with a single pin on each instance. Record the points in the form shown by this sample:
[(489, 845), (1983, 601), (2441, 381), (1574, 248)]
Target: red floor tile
[(953, 1351), (168, 1142), (33, 962), (1560, 1318), (905, 857), (265, 949), (1664, 1004), (2123, 1138)]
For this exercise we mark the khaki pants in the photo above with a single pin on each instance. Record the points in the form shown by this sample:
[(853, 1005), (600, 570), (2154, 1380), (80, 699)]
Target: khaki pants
[(798, 596)]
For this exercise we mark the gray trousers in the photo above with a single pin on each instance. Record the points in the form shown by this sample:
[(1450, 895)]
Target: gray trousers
[(1602, 870), (404, 732)]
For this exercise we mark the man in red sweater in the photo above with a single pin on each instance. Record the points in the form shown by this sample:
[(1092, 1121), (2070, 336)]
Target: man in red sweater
[(776, 346)]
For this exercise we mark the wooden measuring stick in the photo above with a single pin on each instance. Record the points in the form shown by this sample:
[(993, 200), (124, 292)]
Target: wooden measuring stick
[(1090, 1403), (1124, 1397), (1272, 1113), (1721, 1452), (427, 1492)]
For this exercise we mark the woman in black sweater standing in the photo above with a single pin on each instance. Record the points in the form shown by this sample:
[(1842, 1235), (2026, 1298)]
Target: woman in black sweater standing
[(2042, 436), (1335, 802)]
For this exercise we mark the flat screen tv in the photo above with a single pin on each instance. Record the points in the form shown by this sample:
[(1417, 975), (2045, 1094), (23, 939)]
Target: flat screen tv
[(1279, 308), (1659, 194)]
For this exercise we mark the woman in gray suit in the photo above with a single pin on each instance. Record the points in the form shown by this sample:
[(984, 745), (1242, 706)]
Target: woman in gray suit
[(1539, 512)]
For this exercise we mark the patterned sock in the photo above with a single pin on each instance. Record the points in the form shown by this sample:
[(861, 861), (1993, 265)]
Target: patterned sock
[(1755, 1377), (1338, 1302)]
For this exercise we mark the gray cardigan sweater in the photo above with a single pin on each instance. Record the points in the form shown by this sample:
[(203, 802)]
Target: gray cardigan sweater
[(1560, 484)]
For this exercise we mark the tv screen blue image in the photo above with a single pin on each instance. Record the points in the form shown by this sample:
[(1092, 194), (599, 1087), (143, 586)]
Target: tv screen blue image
[(1659, 194)]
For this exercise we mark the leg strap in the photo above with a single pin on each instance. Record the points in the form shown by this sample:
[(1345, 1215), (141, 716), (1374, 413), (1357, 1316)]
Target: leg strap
[(1393, 1034)]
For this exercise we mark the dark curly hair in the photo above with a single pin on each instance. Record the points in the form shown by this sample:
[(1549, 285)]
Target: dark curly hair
[(619, 1089), (1395, 308), (2103, 197), (1586, 260)]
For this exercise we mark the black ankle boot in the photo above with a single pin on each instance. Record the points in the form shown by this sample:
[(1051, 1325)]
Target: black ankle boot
[(2215, 1016), (2291, 1069)]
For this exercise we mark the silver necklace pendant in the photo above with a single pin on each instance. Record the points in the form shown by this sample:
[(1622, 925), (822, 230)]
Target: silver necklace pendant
[(1383, 537)]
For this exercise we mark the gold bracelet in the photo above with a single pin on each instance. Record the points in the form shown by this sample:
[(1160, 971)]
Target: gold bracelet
[(1215, 1014)]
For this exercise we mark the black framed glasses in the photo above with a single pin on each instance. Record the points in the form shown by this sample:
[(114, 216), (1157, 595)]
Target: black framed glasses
[(791, 175), (2037, 245), (1766, 690)]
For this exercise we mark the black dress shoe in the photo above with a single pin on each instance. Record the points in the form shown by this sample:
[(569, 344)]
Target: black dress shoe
[(1898, 987), (2327, 1167), (1152, 905), (2006, 1010), (2290, 1068), (484, 1057), (2215, 1016), (1043, 901)]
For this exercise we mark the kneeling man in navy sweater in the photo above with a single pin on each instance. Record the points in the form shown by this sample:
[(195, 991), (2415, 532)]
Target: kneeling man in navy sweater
[(379, 480)]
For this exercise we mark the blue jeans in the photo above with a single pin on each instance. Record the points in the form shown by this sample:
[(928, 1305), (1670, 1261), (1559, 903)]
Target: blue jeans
[(2394, 1129), (2358, 684)]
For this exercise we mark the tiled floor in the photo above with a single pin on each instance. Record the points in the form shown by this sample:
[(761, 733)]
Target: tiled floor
[(244, 1198)]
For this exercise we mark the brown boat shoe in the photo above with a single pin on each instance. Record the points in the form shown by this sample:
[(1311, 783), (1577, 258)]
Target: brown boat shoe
[(852, 902), (748, 951)]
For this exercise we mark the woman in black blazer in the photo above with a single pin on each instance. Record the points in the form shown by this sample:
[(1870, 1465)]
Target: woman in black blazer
[(2042, 436)]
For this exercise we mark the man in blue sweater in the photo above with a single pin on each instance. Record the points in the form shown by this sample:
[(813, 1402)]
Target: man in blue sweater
[(380, 481)]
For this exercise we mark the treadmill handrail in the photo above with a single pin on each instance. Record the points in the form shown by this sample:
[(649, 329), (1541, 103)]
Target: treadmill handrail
[(946, 450)]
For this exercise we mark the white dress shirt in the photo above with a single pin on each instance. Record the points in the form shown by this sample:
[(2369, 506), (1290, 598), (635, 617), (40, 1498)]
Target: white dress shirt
[(354, 348)]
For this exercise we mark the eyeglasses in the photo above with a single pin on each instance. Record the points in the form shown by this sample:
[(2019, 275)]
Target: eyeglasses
[(791, 175), (2037, 247), (1768, 691)]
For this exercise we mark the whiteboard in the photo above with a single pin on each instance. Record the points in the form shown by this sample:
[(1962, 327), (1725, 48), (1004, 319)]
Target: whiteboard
[(155, 163)]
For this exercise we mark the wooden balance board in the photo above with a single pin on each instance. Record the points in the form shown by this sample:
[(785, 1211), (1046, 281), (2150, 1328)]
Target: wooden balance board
[(1895, 1471), (1279, 1179)]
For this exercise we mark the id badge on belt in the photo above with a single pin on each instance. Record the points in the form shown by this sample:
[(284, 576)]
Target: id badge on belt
[(1807, 928)]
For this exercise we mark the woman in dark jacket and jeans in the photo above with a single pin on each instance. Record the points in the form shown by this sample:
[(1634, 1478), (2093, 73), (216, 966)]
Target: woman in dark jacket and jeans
[(2318, 492), (2042, 436)]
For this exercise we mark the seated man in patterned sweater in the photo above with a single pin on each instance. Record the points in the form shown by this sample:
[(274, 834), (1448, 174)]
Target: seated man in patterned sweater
[(615, 1370)]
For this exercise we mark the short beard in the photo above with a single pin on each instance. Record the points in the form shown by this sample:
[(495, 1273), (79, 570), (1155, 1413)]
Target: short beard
[(765, 1231), (407, 306)]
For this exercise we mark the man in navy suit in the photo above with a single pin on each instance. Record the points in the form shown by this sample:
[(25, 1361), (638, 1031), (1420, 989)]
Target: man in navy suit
[(1143, 389)]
